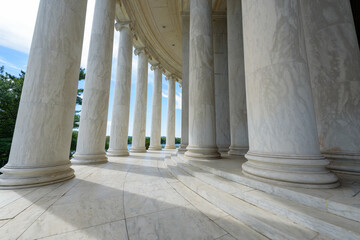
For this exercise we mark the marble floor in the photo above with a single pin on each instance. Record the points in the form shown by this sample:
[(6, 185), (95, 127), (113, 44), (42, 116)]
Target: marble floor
[(132, 197)]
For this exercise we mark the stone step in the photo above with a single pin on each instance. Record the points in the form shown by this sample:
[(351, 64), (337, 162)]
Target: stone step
[(346, 208), (320, 221), (262, 221)]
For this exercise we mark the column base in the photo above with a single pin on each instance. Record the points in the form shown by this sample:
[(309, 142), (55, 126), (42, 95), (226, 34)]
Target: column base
[(238, 151), (299, 171), (138, 150), (202, 152), (223, 149), (155, 148), (343, 162), (89, 158), (18, 177), (117, 152), (170, 147), (182, 149)]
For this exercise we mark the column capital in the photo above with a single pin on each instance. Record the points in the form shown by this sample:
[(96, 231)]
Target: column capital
[(123, 24), (157, 66), (170, 77), (139, 50)]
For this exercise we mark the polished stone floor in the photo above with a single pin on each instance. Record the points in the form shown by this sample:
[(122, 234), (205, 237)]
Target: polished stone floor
[(133, 197)]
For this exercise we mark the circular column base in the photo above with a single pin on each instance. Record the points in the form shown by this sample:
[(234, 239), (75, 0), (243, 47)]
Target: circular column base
[(170, 147), (344, 162), (18, 177), (81, 159), (238, 151), (155, 148), (202, 152), (182, 149), (138, 150), (117, 152), (223, 149), (299, 171)]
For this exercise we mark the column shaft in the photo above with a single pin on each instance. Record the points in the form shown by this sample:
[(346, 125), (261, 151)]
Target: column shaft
[(202, 126), (90, 146), (155, 137), (139, 126), (334, 64), (170, 126), (221, 85), (121, 106), (284, 147), (185, 85), (237, 94), (41, 143)]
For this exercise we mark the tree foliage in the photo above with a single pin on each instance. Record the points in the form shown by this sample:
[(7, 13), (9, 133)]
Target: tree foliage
[(10, 93)]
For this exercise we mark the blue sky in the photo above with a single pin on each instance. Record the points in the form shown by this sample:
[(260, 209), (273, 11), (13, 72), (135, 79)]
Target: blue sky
[(15, 40)]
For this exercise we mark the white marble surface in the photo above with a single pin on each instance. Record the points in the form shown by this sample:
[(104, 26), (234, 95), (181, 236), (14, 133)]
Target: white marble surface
[(139, 126), (237, 94), (185, 84), (334, 64), (127, 198), (121, 105), (283, 139), (170, 121), (202, 123), (155, 134), (221, 84), (40, 148), (94, 110)]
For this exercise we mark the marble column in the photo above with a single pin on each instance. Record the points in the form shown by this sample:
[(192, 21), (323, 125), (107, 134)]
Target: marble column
[(155, 135), (139, 126), (221, 84), (121, 106), (237, 94), (90, 146), (170, 124), (284, 146), (202, 126), (41, 142), (334, 64), (185, 85)]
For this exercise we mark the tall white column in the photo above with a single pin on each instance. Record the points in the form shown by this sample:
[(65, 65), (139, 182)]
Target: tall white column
[(237, 94), (90, 146), (155, 137), (334, 64), (170, 125), (202, 130), (221, 84), (185, 85), (41, 142), (139, 126), (283, 139), (121, 106)]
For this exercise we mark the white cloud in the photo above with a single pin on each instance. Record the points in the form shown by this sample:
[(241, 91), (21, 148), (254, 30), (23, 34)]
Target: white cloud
[(108, 128), (10, 64), (87, 33), (178, 97), (17, 22), (165, 93)]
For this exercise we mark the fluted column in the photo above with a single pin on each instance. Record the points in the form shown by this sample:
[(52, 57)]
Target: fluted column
[(155, 137), (170, 125), (237, 94), (221, 84), (202, 130), (334, 64), (121, 106), (185, 85), (283, 139), (139, 126), (41, 142), (90, 146)]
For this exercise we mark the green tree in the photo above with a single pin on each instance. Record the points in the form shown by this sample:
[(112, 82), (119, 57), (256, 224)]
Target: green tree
[(80, 91), (10, 93)]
